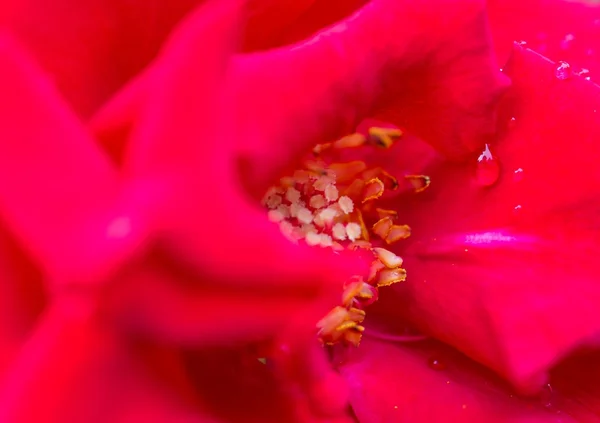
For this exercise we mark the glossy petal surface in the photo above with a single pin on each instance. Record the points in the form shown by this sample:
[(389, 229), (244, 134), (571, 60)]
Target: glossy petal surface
[(499, 279)]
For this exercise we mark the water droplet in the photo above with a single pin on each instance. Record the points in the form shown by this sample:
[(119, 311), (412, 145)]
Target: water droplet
[(512, 122), (550, 399), (517, 210), (584, 73), (546, 396), (518, 175), (562, 71), (436, 364), (488, 168), (521, 43)]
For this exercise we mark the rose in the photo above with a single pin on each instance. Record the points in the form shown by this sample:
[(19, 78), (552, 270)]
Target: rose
[(481, 276), (20, 207)]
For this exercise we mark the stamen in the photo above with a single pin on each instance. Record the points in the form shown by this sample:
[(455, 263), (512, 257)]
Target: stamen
[(331, 193), (304, 215), (346, 204), (382, 227), (326, 205), (384, 137), (419, 182), (317, 201), (382, 213), (353, 231), (275, 216), (323, 182), (373, 190), (396, 233), (350, 141), (292, 195), (339, 232), (389, 277), (389, 259), (347, 172)]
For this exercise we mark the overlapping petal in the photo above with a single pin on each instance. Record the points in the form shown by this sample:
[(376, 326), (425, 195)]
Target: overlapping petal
[(431, 382), (90, 49), (510, 279), (561, 30)]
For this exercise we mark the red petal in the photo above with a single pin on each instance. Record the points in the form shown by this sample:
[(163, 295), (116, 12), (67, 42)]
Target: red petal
[(509, 275), (320, 89), (72, 370), (55, 180), (22, 297), (92, 48), (297, 21), (400, 383), (561, 30)]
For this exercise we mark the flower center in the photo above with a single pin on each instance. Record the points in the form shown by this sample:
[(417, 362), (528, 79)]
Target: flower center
[(334, 205)]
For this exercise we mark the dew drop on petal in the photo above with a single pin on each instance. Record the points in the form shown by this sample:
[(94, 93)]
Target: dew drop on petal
[(518, 175), (585, 74), (549, 398), (512, 122), (435, 363), (517, 210), (562, 71), (488, 168)]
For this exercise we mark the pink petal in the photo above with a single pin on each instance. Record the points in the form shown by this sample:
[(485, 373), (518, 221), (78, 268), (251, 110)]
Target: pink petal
[(508, 276), (268, 20), (22, 297), (559, 29), (55, 179), (395, 383), (281, 24), (73, 370), (91, 49), (205, 219), (375, 56), (359, 67)]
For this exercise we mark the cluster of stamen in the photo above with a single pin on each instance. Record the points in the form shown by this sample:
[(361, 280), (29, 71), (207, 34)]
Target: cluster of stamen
[(332, 205)]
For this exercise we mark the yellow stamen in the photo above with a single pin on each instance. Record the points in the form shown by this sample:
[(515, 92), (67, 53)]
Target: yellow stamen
[(389, 277), (319, 148), (355, 189), (373, 190), (347, 172), (396, 233), (388, 180), (389, 259), (384, 137), (350, 141), (393, 214), (419, 182), (361, 222), (382, 227), (326, 205), (376, 266)]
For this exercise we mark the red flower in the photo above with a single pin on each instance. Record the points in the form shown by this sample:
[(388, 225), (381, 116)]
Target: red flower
[(501, 265), (145, 262)]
